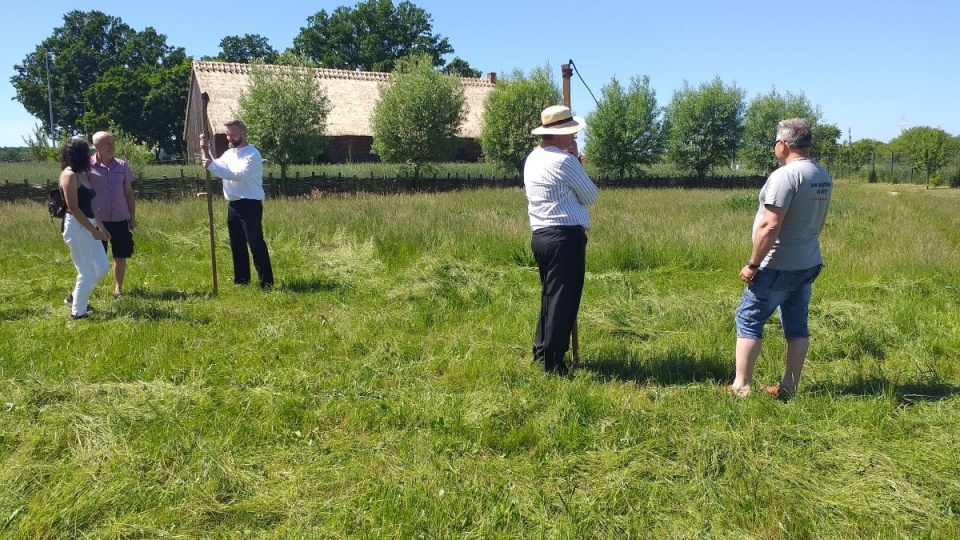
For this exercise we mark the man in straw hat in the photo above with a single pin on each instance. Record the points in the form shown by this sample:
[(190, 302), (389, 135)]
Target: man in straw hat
[(558, 192)]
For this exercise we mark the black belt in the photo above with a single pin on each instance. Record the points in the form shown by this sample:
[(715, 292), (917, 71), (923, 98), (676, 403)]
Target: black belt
[(563, 227)]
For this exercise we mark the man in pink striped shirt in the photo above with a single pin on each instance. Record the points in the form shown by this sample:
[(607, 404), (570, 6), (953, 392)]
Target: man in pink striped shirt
[(114, 204)]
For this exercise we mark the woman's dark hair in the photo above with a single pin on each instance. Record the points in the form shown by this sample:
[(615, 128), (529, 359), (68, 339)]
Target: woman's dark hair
[(76, 155)]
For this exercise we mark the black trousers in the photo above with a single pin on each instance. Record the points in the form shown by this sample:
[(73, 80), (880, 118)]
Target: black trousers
[(561, 254), (245, 225)]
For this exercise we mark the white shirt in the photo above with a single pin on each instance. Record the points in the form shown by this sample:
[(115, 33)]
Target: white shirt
[(558, 189), (242, 172)]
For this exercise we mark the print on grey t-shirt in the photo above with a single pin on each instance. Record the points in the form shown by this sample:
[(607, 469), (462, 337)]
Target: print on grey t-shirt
[(803, 187)]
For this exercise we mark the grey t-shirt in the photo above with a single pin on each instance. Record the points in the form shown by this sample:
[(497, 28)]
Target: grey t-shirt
[(803, 187)]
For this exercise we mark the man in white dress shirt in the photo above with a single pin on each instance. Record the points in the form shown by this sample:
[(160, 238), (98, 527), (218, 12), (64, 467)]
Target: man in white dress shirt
[(241, 168), (558, 191)]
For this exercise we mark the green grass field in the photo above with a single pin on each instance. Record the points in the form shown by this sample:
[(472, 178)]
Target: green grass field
[(385, 390)]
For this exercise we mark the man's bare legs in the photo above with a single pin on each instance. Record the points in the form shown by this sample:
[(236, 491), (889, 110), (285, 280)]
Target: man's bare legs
[(119, 272), (796, 354), (747, 352)]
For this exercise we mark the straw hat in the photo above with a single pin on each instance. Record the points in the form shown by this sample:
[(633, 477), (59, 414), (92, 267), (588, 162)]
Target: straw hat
[(558, 120)]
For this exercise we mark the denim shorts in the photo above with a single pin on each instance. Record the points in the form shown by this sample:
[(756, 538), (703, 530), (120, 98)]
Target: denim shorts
[(770, 289)]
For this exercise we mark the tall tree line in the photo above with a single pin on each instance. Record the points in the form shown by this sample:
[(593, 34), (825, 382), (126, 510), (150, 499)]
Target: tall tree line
[(103, 73)]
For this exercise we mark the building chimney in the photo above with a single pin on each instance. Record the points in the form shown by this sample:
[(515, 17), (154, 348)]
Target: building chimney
[(492, 78), (566, 72)]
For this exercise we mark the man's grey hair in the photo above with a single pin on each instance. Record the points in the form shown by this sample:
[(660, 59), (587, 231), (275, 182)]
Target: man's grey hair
[(236, 124), (796, 133), (99, 136)]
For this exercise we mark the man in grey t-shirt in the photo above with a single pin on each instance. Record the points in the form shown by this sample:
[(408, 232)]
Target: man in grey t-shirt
[(785, 259)]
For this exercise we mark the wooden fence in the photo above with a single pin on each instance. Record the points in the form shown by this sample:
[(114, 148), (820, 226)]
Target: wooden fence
[(318, 185)]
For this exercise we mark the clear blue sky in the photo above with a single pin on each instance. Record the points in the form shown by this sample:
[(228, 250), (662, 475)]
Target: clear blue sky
[(873, 67)]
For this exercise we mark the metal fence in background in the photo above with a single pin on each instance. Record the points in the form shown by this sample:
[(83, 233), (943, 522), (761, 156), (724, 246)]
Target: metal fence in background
[(889, 167)]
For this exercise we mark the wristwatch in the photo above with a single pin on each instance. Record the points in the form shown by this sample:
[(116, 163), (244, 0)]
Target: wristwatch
[(752, 266)]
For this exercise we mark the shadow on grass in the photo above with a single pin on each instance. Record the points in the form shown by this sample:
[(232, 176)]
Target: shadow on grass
[(309, 285), (165, 295), (19, 313), (149, 313), (906, 394), (673, 368)]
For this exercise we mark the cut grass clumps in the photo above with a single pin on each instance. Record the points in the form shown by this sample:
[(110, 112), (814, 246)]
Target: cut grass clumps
[(385, 388)]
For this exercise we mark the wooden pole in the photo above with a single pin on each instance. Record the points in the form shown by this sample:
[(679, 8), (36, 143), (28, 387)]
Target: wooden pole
[(567, 72), (205, 100)]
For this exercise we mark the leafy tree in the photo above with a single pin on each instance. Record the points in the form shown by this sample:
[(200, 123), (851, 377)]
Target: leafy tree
[(150, 116), (760, 126), (15, 153), (825, 141), (291, 57), (135, 153), (419, 114), (39, 146), (247, 49), (285, 113), (925, 148), (856, 154), (512, 111), (953, 153), (458, 67), (80, 53), (953, 156), (627, 128), (371, 36), (706, 125)]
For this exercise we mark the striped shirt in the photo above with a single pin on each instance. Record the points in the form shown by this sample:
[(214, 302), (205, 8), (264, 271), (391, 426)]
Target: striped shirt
[(558, 189), (108, 180)]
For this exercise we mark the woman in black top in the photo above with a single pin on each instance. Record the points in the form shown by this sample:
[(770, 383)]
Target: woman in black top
[(80, 230)]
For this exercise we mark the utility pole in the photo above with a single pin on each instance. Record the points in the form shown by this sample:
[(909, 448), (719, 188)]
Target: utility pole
[(53, 138)]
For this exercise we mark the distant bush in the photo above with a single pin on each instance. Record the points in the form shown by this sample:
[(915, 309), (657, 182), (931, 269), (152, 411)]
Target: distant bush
[(11, 153), (137, 155)]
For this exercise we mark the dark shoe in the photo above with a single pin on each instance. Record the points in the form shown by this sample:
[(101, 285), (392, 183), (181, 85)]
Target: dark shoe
[(557, 369), (69, 301), (266, 286), (78, 317), (117, 295)]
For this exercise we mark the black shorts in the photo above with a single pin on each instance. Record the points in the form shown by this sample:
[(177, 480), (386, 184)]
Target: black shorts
[(121, 239)]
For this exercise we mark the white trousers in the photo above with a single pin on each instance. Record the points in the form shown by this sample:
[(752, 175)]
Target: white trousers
[(90, 259)]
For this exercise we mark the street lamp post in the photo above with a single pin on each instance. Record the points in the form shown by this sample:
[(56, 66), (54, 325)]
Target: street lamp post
[(53, 138), (83, 112)]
